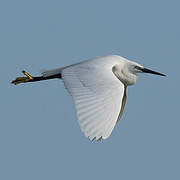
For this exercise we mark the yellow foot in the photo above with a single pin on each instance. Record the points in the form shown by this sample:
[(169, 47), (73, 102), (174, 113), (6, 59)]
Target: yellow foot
[(19, 80)]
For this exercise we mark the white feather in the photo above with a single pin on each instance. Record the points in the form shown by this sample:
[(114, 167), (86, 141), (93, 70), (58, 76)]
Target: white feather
[(97, 94)]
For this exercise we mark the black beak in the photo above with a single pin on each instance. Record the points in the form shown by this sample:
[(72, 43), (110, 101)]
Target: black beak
[(151, 72)]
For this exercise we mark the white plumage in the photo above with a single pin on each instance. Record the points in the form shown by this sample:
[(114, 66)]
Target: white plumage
[(98, 87), (97, 95)]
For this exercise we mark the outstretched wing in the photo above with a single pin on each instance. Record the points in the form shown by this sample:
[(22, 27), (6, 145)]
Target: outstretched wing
[(97, 94)]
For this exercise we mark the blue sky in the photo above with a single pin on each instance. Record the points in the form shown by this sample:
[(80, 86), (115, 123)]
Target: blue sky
[(39, 135)]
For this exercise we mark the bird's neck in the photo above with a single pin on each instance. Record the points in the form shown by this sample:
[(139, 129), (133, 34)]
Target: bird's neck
[(125, 76)]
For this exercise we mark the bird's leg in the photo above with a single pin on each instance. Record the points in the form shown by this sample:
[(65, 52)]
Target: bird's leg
[(19, 80), (30, 78)]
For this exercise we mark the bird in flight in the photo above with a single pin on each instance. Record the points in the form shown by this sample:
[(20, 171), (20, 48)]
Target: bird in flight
[(98, 87)]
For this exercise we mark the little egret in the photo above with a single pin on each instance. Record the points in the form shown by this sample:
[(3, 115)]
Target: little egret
[(98, 87)]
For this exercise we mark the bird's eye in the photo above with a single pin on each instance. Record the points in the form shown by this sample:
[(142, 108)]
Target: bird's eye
[(137, 67)]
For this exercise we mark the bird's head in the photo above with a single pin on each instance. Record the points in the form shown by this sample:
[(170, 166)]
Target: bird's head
[(127, 72)]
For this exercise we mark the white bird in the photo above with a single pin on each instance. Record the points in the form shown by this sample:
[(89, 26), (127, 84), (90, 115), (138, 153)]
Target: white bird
[(98, 87)]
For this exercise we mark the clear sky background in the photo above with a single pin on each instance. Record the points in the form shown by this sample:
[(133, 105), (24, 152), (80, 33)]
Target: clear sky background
[(40, 138)]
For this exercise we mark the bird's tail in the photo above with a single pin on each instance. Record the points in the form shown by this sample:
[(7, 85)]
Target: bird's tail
[(52, 72)]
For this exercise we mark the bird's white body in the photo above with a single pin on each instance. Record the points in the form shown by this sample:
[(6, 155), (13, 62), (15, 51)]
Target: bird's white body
[(97, 87), (119, 63)]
